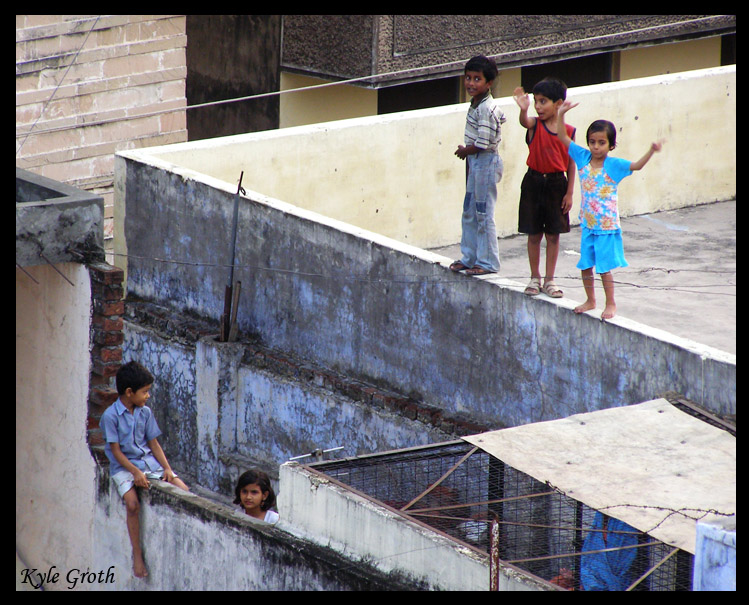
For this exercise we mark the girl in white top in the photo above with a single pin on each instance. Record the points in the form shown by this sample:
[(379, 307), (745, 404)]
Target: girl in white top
[(254, 493)]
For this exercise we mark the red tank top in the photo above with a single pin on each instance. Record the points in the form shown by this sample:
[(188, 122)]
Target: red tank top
[(546, 153)]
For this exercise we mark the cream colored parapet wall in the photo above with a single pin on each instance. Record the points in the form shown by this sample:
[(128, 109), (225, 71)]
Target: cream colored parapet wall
[(397, 174)]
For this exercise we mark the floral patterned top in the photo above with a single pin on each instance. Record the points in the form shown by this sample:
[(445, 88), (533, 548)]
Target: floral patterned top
[(599, 210)]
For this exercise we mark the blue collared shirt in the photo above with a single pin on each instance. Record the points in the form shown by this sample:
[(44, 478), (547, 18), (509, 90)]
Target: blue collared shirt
[(132, 432)]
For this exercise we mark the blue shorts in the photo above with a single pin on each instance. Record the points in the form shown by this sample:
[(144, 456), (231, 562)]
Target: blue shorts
[(602, 251), (124, 480)]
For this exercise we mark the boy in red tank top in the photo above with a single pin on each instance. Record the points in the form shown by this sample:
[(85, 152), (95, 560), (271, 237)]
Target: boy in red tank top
[(546, 191)]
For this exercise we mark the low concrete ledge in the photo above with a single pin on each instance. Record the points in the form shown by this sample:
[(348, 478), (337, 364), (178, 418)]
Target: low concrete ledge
[(56, 223), (229, 551)]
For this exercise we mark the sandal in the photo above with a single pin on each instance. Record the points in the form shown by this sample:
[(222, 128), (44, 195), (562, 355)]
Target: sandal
[(533, 288), (477, 270), (457, 266), (551, 289)]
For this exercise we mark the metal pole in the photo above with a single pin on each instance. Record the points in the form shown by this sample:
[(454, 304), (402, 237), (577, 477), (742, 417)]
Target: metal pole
[(234, 229), (494, 555), (226, 316)]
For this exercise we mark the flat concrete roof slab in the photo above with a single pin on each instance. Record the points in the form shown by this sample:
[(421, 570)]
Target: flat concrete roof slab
[(681, 276), (56, 223)]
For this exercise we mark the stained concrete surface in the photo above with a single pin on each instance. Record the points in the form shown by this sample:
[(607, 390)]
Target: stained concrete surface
[(681, 276)]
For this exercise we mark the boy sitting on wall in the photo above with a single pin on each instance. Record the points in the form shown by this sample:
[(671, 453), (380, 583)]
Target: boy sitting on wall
[(134, 453)]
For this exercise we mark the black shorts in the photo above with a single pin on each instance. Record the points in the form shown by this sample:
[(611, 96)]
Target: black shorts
[(541, 203)]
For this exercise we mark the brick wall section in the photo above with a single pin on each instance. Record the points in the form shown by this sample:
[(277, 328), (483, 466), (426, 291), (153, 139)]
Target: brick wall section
[(129, 66), (107, 336)]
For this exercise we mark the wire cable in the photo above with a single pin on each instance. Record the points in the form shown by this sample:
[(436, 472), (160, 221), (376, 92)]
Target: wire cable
[(420, 280), (57, 87)]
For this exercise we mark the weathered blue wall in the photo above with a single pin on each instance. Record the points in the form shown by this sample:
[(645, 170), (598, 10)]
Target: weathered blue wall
[(174, 393), (715, 555), (396, 316), (224, 407)]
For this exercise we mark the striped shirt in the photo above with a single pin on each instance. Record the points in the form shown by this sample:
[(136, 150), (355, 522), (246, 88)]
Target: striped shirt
[(484, 124)]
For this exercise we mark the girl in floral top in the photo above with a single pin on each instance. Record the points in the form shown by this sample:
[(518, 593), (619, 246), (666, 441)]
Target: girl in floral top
[(601, 240)]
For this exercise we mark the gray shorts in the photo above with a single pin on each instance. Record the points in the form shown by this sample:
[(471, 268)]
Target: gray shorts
[(124, 480)]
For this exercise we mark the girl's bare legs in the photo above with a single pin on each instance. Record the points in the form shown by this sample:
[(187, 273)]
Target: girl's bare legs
[(608, 288), (590, 291)]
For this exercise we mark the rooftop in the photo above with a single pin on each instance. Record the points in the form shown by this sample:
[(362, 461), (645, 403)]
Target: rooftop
[(539, 498), (394, 49), (681, 276)]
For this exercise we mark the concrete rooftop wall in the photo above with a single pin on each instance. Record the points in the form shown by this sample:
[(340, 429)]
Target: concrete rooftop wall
[(56, 223), (397, 174), (392, 314)]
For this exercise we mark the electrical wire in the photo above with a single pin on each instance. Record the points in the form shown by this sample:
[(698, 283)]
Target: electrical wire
[(57, 87), (423, 280)]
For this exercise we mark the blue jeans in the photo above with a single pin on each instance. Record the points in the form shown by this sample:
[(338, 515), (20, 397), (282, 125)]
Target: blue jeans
[(478, 243)]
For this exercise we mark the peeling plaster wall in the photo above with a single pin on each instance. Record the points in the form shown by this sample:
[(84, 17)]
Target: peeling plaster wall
[(395, 315), (174, 393), (55, 472), (192, 543), (224, 407)]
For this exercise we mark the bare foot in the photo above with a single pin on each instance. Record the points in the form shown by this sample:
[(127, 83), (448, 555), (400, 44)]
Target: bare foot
[(139, 567), (608, 312), (586, 306)]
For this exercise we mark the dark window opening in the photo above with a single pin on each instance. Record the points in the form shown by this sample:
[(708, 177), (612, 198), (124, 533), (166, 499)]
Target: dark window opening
[(418, 95), (582, 71)]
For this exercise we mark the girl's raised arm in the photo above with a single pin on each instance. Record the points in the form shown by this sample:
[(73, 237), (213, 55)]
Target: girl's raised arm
[(654, 147), (561, 128)]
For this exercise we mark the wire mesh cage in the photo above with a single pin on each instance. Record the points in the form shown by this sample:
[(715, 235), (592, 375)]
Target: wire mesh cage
[(471, 496)]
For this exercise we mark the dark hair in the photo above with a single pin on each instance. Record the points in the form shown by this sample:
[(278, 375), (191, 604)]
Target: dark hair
[(483, 64), (263, 481), (132, 375), (603, 126), (552, 88)]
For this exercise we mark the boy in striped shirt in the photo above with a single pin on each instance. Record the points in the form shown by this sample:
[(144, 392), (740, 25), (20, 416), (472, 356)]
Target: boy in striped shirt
[(478, 244)]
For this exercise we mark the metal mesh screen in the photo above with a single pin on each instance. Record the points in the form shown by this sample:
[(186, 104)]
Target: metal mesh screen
[(462, 491)]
